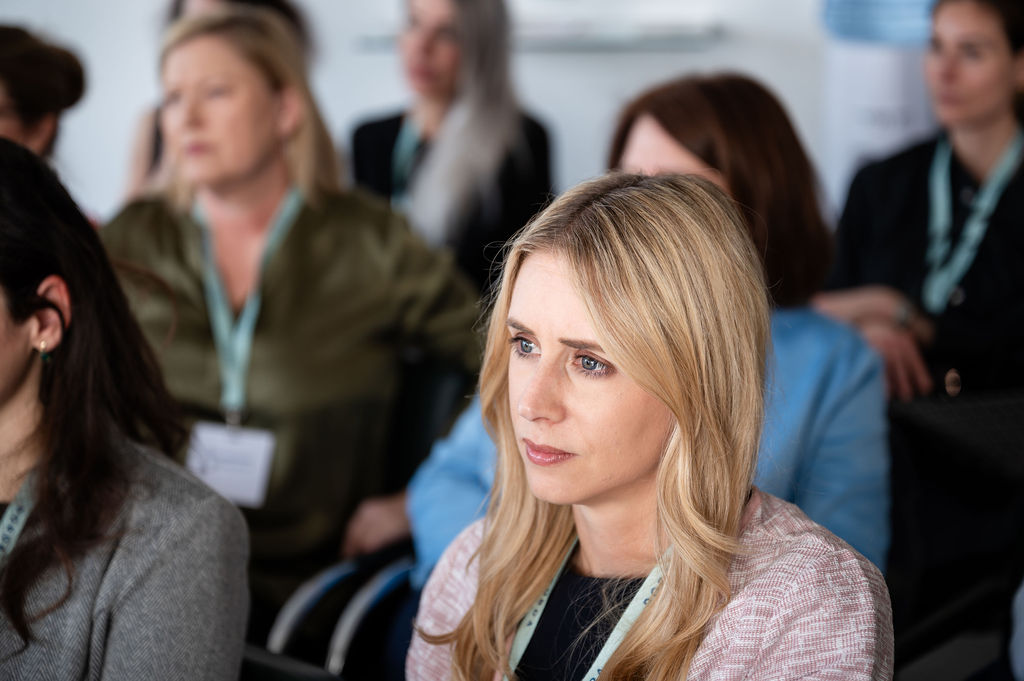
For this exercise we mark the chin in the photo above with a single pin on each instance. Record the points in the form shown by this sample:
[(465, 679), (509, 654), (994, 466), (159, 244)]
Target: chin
[(952, 118), (557, 492), (198, 177), (420, 86)]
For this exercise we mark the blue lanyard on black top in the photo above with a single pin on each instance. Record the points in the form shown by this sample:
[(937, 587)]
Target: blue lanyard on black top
[(403, 161), (529, 623), (233, 338), (944, 270)]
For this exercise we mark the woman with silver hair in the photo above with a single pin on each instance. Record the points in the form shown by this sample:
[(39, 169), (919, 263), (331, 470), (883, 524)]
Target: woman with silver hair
[(463, 161)]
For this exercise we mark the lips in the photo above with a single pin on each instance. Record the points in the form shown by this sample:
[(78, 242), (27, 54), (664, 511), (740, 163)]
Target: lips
[(545, 456)]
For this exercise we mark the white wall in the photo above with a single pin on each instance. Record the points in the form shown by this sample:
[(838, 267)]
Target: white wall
[(576, 93)]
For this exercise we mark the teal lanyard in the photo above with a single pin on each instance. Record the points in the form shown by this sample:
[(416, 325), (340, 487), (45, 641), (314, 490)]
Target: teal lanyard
[(233, 338), (944, 270), (403, 160), (15, 518), (529, 623)]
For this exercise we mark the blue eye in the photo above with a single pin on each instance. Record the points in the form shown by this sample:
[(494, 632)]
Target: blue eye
[(592, 365), (525, 346)]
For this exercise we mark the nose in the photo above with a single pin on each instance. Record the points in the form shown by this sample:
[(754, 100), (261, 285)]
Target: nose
[(191, 106), (945, 65), (542, 397), (418, 40)]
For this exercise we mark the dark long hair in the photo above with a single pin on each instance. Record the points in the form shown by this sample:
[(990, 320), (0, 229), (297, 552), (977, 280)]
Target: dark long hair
[(1011, 15), (102, 384), (736, 126), (40, 78)]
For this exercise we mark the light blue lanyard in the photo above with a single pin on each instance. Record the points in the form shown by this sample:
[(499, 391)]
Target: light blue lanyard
[(529, 623), (403, 158), (944, 275), (233, 338), (15, 518)]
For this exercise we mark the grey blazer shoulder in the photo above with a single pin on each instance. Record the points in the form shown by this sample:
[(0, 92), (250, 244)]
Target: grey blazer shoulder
[(166, 597)]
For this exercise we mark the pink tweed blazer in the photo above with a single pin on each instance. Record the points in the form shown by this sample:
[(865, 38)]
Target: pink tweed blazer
[(804, 606)]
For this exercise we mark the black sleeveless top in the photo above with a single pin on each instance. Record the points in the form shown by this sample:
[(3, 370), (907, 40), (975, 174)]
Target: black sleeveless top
[(563, 647)]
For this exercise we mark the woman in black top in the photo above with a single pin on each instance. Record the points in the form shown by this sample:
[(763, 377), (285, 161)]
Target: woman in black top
[(930, 241), (463, 161)]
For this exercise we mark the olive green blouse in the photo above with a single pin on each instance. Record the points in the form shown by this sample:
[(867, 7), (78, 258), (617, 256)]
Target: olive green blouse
[(347, 291)]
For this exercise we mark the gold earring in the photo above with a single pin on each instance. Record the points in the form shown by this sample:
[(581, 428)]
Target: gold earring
[(43, 354)]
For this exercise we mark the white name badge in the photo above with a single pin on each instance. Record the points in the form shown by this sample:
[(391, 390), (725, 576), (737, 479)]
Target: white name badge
[(233, 461)]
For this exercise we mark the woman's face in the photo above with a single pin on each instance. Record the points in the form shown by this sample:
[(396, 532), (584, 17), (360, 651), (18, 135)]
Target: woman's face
[(587, 432), (650, 150), (429, 46), (970, 69), (223, 123), (16, 385)]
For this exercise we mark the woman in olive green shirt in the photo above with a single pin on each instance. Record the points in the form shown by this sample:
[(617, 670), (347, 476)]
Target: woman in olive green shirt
[(289, 301)]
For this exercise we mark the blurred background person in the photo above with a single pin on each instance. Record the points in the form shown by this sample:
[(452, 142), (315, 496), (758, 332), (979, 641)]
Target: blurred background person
[(38, 82), (824, 442), (929, 246), (148, 165), (929, 269), (292, 301), (464, 163), (114, 562)]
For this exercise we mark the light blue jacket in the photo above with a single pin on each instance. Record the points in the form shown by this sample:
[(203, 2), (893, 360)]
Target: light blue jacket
[(824, 445), (1017, 636)]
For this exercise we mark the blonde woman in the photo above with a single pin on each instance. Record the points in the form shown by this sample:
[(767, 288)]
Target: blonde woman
[(623, 382), (290, 301)]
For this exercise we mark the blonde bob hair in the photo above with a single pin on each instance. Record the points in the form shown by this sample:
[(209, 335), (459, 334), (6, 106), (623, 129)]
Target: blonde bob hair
[(264, 40), (675, 290)]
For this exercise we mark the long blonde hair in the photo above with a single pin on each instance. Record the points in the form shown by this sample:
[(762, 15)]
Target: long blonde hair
[(676, 292), (263, 39)]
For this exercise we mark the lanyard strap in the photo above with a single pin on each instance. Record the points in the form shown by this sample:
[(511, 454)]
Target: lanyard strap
[(233, 338), (15, 518), (944, 270), (403, 161), (529, 623)]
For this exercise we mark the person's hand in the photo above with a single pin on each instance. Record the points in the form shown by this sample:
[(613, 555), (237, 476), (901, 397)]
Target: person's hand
[(905, 372), (861, 304), (377, 522), (876, 304)]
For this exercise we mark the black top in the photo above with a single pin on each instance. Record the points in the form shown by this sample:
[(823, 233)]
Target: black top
[(562, 647), (523, 183), (883, 239)]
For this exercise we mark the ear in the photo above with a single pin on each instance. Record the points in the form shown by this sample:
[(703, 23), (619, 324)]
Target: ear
[(47, 323), (290, 112), (39, 136)]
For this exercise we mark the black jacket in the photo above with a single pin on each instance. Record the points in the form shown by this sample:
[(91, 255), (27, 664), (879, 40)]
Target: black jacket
[(523, 183), (883, 239)]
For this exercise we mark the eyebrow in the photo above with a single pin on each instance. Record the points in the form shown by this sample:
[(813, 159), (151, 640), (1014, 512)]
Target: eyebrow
[(969, 39), (569, 342)]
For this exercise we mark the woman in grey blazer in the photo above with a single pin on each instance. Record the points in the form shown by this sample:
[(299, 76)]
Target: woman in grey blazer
[(114, 562)]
